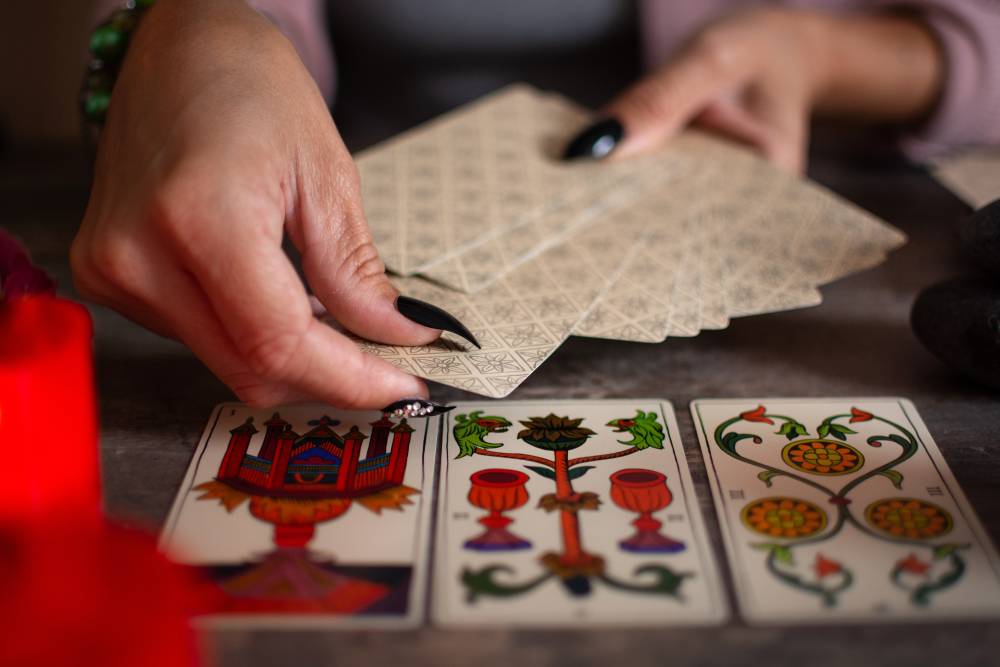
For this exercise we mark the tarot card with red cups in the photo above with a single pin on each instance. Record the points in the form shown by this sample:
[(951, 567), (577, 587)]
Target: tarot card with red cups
[(307, 515), (561, 513), (842, 510)]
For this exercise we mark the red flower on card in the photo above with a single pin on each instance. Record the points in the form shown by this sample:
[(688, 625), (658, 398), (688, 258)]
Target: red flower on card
[(756, 415), (860, 415), (825, 567), (913, 565)]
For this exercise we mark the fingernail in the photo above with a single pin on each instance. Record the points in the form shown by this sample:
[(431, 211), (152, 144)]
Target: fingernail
[(415, 407), (431, 316), (596, 141)]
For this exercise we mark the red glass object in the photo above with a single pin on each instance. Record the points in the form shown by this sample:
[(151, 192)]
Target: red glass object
[(48, 417), (497, 490), (644, 491), (76, 588), (94, 594)]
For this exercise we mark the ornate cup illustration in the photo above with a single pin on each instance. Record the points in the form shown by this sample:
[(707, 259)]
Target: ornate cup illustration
[(497, 490), (645, 492), (295, 483)]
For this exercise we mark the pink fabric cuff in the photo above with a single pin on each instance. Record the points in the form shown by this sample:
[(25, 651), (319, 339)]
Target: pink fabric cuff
[(303, 22), (968, 111)]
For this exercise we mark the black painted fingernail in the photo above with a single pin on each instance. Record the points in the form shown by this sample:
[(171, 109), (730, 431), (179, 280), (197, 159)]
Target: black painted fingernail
[(431, 316), (596, 141), (415, 407)]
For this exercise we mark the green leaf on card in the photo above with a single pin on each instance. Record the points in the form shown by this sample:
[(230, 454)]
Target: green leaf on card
[(544, 472), (766, 475), (894, 476)]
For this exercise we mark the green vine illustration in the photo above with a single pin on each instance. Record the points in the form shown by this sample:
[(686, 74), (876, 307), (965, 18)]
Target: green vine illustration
[(802, 523)]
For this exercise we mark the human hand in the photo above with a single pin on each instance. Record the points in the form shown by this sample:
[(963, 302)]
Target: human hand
[(757, 76), (217, 141)]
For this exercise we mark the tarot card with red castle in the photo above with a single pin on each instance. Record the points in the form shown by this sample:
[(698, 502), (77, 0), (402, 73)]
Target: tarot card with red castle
[(570, 512), (309, 515), (842, 510)]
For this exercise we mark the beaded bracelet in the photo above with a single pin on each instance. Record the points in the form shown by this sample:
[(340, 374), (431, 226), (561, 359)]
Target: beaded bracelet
[(108, 44)]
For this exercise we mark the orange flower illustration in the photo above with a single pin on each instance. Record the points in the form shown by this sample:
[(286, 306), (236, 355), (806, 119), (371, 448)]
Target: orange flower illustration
[(860, 415), (908, 518), (822, 457), (824, 567), (756, 415), (784, 517), (913, 565)]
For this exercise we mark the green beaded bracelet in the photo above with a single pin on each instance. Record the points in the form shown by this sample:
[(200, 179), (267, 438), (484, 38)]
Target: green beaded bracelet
[(108, 44)]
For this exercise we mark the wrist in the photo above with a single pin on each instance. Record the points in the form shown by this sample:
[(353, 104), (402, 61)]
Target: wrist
[(815, 36), (876, 66)]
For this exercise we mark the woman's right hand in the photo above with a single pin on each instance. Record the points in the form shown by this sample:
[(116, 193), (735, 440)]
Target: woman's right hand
[(217, 142)]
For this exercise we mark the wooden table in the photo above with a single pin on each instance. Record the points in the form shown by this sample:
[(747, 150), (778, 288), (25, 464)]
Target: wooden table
[(155, 397)]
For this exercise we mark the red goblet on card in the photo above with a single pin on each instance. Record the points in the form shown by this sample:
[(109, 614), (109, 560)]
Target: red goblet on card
[(497, 490), (645, 492)]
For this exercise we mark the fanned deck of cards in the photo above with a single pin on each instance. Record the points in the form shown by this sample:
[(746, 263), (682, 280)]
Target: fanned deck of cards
[(570, 513), (476, 214)]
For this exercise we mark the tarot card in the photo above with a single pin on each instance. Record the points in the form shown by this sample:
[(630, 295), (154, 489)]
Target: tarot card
[(558, 513), (644, 302), (657, 291), (973, 175), (842, 510), (467, 177), (460, 178), (482, 264), (760, 244), (309, 515), (519, 320)]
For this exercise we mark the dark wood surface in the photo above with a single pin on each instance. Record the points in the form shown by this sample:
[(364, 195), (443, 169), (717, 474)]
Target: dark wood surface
[(155, 397)]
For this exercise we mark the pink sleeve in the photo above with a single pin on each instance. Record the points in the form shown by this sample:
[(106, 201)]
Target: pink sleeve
[(968, 111), (303, 22)]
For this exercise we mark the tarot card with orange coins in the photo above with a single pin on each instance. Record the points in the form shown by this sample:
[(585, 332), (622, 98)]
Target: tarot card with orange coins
[(842, 510)]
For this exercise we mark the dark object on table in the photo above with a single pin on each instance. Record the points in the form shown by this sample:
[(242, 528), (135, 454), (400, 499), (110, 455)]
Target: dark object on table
[(980, 237), (596, 141), (431, 316), (959, 322)]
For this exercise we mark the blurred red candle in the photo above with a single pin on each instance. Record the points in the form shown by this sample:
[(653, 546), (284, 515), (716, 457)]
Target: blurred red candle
[(77, 589), (48, 423)]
